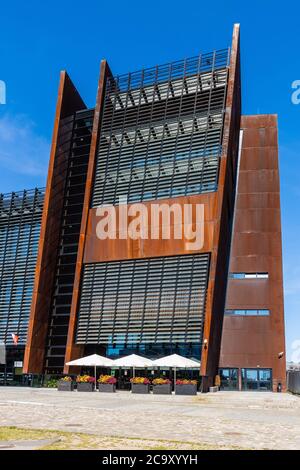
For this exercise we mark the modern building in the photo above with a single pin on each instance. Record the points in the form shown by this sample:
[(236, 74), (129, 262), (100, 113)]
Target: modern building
[(253, 345), (20, 223), (167, 135)]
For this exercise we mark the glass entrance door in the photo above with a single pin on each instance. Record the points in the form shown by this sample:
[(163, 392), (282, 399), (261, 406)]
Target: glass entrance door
[(265, 379), (229, 379), (257, 379)]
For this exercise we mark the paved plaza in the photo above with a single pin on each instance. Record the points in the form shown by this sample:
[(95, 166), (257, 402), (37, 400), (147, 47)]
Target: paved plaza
[(249, 420)]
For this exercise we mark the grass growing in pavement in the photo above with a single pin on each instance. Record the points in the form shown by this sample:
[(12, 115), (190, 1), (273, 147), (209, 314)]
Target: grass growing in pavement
[(11, 433), (72, 441)]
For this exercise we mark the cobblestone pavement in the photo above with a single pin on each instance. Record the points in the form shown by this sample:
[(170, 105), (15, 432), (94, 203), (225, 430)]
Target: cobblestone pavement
[(243, 419)]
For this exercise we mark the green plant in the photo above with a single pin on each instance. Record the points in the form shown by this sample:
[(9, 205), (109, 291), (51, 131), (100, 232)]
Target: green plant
[(52, 383)]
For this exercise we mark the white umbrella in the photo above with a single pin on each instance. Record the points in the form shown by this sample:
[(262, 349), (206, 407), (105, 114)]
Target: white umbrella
[(176, 362), (92, 361), (133, 360)]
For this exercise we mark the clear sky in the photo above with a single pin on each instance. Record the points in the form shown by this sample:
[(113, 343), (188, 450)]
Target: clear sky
[(38, 39)]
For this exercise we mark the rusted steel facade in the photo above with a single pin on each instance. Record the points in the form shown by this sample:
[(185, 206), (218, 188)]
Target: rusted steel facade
[(256, 341), (68, 103), (218, 209), (166, 135)]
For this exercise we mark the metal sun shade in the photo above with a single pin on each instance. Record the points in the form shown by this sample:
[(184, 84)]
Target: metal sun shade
[(20, 223), (150, 300), (161, 137), (74, 137)]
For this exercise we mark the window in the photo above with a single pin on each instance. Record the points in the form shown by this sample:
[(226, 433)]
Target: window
[(248, 275), (229, 379), (248, 312), (151, 300), (20, 221), (236, 275), (257, 379), (161, 131)]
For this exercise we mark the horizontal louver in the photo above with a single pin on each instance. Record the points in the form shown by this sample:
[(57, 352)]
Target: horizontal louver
[(77, 131), (155, 300), (161, 131), (20, 223)]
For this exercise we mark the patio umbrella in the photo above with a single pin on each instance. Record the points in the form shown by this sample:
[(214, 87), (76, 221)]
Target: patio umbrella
[(175, 361), (133, 360), (92, 361)]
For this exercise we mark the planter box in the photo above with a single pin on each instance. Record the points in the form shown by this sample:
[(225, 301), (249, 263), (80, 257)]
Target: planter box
[(107, 388), (163, 389), (85, 387), (140, 388), (186, 389), (64, 386)]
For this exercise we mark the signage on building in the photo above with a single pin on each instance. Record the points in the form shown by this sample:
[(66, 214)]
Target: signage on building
[(18, 364)]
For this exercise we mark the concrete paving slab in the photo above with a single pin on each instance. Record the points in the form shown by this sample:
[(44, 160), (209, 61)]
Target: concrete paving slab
[(259, 420), (26, 445)]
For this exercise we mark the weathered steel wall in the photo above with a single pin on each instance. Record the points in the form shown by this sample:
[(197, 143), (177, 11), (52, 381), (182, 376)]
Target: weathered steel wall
[(68, 102), (253, 341)]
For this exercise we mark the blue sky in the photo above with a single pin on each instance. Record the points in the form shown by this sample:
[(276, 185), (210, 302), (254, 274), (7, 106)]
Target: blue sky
[(38, 39)]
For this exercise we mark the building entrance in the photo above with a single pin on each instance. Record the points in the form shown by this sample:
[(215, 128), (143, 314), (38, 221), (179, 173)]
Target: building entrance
[(229, 379), (257, 379)]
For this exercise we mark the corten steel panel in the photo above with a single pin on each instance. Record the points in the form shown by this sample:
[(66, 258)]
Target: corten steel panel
[(216, 292), (257, 341), (218, 233), (68, 102), (120, 249), (74, 351)]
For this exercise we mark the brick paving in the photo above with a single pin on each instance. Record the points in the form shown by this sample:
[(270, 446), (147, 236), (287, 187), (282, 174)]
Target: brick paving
[(243, 419)]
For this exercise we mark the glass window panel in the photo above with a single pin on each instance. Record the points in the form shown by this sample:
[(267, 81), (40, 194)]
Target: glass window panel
[(251, 374), (169, 148), (264, 374), (164, 299), (20, 220)]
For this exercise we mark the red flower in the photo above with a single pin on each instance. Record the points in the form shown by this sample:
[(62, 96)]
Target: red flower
[(140, 380), (186, 382), (107, 379)]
